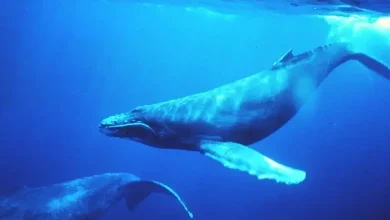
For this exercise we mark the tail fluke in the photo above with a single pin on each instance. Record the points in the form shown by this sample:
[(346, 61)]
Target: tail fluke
[(139, 190)]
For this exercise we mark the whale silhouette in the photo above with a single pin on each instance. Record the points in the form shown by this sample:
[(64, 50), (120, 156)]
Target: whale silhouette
[(81, 199), (223, 122)]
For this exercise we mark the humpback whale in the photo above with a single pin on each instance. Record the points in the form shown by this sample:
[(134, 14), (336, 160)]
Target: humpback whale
[(81, 199), (221, 123)]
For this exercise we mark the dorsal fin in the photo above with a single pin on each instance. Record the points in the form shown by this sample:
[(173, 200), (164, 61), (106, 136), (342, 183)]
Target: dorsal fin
[(286, 57)]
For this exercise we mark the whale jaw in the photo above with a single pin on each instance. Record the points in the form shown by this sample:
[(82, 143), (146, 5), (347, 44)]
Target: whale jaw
[(125, 125), (130, 130)]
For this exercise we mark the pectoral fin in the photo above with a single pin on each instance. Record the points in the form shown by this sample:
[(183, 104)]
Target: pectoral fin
[(138, 191), (240, 157)]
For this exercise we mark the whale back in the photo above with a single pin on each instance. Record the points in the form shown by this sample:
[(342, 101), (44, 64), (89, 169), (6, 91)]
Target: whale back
[(87, 196)]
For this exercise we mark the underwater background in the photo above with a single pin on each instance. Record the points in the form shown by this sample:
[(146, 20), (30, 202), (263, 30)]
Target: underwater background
[(65, 65)]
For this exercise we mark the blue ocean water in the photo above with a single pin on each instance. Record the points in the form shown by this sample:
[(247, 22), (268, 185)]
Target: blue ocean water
[(67, 65)]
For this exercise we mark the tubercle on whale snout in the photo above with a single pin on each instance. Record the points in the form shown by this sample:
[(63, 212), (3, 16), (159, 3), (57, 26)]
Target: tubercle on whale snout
[(123, 118)]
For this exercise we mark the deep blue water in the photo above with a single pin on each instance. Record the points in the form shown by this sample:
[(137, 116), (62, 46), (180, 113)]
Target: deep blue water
[(67, 65)]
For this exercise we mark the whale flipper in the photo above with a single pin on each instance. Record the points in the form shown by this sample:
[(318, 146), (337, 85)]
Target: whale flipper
[(139, 190), (240, 157)]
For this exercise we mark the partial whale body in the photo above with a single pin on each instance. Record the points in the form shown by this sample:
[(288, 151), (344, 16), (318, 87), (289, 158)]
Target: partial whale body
[(221, 123), (86, 198), (340, 8)]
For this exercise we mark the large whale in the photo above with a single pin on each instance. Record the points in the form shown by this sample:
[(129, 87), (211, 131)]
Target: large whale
[(81, 199), (223, 122)]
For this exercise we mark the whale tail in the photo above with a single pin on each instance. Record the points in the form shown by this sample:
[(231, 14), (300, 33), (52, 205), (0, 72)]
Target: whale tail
[(239, 157), (140, 190)]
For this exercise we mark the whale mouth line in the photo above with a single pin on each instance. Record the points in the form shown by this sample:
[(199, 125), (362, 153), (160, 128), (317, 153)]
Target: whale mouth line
[(126, 130), (130, 125), (124, 125)]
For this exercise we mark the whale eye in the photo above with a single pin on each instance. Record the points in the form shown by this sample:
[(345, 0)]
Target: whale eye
[(129, 121)]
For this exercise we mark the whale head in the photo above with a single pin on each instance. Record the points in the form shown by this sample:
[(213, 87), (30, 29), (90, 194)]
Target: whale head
[(130, 125)]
